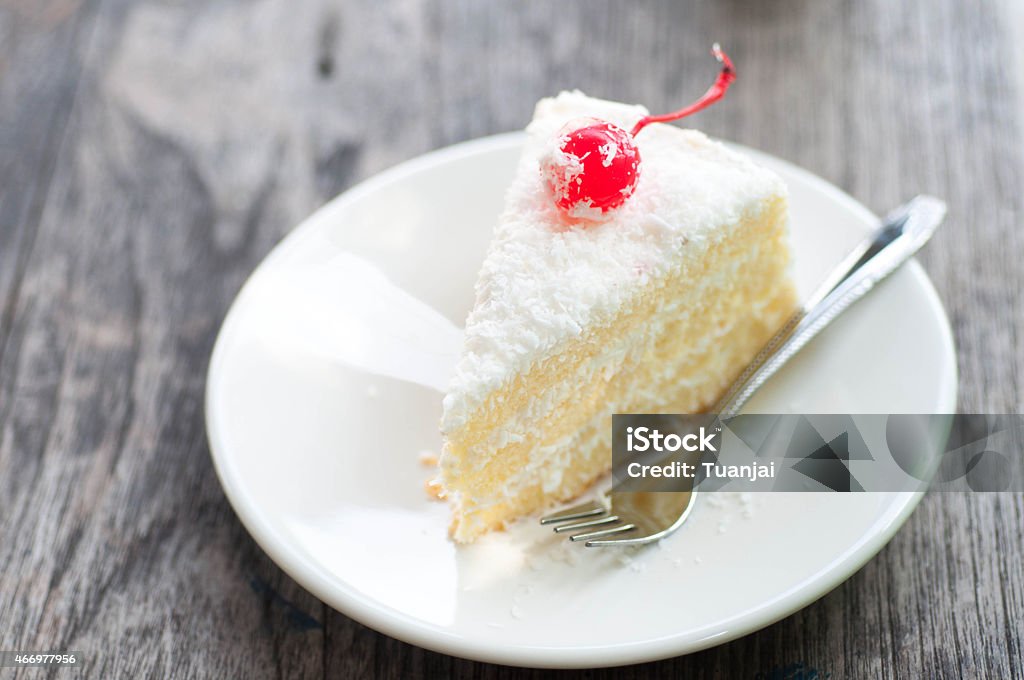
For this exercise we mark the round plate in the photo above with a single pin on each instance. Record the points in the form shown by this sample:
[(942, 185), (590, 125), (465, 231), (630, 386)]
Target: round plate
[(325, 386)]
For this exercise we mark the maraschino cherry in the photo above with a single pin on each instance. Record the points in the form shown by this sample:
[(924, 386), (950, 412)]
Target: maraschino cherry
[(597, 165)]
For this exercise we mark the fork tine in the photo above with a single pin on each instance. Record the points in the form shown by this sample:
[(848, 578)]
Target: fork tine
[(599, 543), (604, 532), (586, 525), (575, 512)]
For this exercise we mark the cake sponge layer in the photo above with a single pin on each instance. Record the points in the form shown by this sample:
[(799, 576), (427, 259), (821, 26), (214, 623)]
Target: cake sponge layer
[(674, 345)]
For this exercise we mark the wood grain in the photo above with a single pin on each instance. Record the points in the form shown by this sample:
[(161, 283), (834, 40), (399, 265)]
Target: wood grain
[(151, 153)]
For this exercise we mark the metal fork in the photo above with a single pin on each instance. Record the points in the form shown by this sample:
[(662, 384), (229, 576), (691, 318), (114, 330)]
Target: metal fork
[(648, 516)]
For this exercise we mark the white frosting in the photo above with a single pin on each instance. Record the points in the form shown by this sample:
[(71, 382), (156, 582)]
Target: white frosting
[(547, 277)]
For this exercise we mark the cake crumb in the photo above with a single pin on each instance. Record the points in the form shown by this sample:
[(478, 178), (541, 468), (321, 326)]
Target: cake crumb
[(434, 489), (427, 458)]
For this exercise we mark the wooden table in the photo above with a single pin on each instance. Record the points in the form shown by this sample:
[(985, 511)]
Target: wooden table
[(151, 153)]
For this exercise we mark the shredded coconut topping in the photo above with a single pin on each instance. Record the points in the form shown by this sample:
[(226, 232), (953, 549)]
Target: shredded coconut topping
[(608, 152)]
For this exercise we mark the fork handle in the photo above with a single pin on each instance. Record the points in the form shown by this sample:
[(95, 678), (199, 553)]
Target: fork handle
[(901, 234)]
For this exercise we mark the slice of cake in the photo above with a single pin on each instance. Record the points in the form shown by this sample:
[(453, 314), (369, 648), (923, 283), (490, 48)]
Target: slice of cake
[(655, 306)]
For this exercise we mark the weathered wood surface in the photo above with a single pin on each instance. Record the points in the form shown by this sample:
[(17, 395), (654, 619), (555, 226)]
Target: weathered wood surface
[(151, 153)]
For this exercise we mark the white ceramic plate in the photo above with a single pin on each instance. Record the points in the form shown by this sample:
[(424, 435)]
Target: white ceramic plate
[(325, 385)]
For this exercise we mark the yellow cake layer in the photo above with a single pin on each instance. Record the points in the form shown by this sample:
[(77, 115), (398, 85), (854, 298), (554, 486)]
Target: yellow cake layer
[(689, 334), (591, 448)]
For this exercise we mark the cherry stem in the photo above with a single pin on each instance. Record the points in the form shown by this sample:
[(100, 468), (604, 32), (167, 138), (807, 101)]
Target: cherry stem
[(714, 93)]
